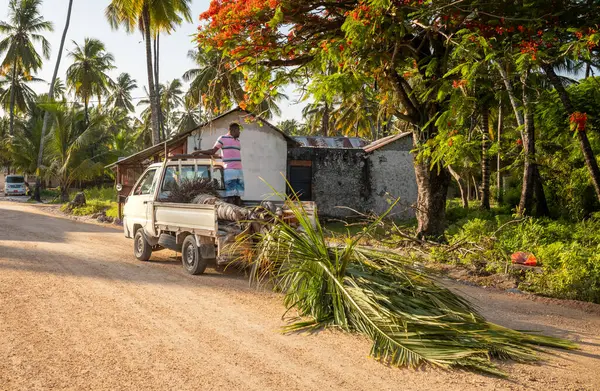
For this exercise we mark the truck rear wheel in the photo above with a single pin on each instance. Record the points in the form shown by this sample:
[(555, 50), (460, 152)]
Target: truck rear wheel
[(141, 249), (192, 260)]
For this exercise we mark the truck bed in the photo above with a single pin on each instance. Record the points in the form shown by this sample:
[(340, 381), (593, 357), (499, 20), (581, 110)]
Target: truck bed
[(193, 218)]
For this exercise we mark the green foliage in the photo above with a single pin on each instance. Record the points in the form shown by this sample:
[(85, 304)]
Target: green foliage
[(567, 251), (101, 194), (98, 199)]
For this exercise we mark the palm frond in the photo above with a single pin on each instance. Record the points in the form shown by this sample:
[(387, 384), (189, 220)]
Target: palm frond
[(411, 320)]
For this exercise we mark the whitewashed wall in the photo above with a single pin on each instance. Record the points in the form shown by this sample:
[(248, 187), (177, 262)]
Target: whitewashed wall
[(264, 153)]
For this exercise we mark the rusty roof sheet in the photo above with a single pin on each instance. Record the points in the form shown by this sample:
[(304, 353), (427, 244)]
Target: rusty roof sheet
[(382, 142), (330, 142)]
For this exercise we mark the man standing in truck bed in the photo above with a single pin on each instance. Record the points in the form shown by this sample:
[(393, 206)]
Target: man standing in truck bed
[(230, 147)]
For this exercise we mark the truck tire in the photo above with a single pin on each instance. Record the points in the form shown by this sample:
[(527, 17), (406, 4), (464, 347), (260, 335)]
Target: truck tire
[(192, 260), (141, 249)]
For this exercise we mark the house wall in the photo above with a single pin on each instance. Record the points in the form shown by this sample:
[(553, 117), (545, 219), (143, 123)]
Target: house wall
[(393, 176), (264, 153), (340, 179)]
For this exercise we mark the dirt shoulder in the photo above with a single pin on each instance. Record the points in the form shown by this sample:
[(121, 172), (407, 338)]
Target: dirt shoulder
[(78, 312)]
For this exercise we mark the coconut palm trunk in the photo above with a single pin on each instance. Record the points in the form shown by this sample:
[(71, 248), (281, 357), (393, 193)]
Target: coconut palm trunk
[(584, 142), (464, 189), (11, 129), (150, 69), (51, 97), (499, 159), (527, 190), (485, 159)]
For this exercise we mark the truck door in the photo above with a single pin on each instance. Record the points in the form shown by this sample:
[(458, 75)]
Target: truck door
[(136, 209)]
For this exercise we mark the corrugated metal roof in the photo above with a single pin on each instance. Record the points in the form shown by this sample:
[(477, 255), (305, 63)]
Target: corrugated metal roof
[(330, 142), (382, 142)]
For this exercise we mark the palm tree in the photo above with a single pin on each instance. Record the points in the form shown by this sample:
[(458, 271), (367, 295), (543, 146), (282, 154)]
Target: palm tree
[(120, 95), (170, 98), (189, 117), (151, 17), (71, 134), (21, 31), (57, 90), (17, 96), (320, 118), (87, 76), (269, 107), (25, 145), (214, 77)]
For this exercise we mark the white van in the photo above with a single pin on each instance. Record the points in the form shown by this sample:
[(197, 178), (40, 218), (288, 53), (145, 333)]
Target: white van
[(14, 185)]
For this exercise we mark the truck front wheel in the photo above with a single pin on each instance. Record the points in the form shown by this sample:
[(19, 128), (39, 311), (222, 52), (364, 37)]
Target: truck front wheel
[(141, 249), (191, 259)]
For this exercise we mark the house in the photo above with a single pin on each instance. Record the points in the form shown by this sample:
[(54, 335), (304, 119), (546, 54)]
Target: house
[(264, 153), (343, 175)]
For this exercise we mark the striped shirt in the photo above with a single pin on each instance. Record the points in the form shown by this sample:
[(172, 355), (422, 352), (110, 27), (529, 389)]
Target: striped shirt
[(231, 152)]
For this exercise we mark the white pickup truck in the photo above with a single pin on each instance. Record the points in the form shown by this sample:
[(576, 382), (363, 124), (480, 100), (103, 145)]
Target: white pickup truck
[(190, 229)]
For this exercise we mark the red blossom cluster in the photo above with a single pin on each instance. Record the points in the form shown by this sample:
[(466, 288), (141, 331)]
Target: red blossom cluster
[(578, 120), (459, 83)]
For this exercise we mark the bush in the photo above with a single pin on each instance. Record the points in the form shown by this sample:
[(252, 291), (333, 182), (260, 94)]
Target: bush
[(569, 253), (91, 207), (101, 194)]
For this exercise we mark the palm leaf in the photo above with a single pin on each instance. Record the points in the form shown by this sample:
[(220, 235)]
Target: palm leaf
[(411, 320)]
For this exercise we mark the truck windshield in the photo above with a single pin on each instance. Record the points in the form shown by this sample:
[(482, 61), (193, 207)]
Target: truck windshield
[(15, 179)]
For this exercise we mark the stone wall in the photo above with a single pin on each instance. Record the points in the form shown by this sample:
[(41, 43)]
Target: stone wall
[(393, 176), (340, 178)]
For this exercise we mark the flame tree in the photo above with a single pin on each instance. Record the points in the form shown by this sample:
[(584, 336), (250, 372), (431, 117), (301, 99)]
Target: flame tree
[(403, 49)]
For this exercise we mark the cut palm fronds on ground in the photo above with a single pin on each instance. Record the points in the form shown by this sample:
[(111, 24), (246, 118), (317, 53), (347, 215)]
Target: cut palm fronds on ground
[(411, 320)]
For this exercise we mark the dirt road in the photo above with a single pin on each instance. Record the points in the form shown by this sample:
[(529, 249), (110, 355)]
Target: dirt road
[(78, 312)]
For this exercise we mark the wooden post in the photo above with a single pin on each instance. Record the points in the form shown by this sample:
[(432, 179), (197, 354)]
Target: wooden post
[(119, 180)]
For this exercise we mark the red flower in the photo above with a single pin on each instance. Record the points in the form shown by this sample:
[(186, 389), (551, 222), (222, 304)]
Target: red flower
[(578, 120), (519, 142)]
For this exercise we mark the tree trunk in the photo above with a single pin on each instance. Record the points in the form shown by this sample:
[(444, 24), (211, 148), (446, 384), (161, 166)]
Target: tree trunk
[(325, 120), (432, 188), (511, 95), (150, 69), (485, 159), (499, 160), (86, 110), (161, 118), (541, 205), (475, 187), (46, 123), (11, 128), (64, 192), (584, 142), (464, 196), (529, 170)]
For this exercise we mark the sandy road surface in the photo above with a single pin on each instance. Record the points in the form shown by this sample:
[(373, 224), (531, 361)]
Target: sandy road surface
[(78, 312)]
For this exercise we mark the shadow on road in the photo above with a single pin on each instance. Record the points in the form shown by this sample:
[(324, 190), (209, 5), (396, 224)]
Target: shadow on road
[(20, 225)]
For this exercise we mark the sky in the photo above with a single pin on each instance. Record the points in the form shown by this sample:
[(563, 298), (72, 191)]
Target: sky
[(88, 20)]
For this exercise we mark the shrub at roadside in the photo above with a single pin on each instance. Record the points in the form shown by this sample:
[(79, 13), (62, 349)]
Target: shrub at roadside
[(568, 253), (98, 200)]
